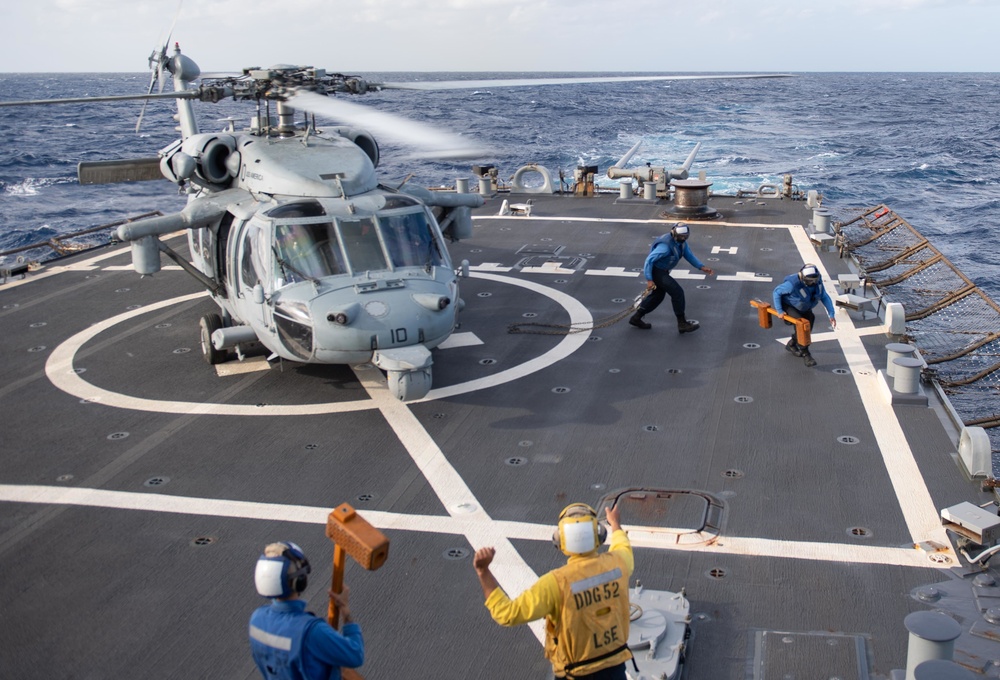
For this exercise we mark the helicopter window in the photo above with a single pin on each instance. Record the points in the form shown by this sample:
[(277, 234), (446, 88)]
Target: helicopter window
[(305, 251), (361, 243), (297, 209), (410, 241), (247, 272)]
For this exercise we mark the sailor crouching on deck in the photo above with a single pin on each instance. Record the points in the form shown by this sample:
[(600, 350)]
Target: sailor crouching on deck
[(664, 255), (796, 296), (289, 643), (585, 603)]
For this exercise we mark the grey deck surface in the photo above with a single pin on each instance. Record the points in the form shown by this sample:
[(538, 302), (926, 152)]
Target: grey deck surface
[(101, 587)]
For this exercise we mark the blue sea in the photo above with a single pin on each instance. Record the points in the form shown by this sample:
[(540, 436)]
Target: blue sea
[(926, 144)]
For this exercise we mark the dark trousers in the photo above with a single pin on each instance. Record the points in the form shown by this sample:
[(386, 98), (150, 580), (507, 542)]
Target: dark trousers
[(665, 285), (796, 314), (613, 673)]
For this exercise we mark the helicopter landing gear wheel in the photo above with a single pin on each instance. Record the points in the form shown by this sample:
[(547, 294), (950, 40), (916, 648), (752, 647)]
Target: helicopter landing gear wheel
[(208, 325), (409, 385)]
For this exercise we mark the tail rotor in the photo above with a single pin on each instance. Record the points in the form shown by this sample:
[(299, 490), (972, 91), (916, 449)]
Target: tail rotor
[(158, 65)]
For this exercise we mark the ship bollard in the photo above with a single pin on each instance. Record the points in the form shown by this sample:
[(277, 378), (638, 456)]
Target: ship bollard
[(625, 190), (462, 185), (649, 190), (932, 636), (821, 220), (897, 350), (485, 186), (906, 374)]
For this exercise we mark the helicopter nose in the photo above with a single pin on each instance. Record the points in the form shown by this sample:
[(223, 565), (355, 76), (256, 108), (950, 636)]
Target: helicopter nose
[(435, 303)]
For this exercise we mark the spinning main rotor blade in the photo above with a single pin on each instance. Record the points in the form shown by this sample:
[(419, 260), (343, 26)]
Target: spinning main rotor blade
[(434, 142), (526, 82), (189, 94)]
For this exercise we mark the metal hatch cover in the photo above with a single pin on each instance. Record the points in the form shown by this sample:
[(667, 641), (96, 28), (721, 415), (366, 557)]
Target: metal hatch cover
[(692, 517), (785, 656)]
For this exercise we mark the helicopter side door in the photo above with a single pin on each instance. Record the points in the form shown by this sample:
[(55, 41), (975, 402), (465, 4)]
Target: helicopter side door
[(252, 277)]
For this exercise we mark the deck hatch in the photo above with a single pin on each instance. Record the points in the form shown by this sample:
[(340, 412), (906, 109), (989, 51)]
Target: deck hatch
[(691, 517), (540, 249), (564, 261), (779, 655)]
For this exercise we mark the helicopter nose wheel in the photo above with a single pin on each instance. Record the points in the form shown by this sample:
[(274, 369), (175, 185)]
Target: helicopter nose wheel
[(208, 325)]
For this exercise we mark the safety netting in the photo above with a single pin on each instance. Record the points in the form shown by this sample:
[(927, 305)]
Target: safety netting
[(949, 319)]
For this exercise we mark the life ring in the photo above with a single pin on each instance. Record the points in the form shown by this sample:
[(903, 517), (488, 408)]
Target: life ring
[(517, 187)]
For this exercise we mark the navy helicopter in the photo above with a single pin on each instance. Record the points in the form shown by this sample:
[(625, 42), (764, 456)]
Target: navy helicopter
[(289, 228), (292, 234)]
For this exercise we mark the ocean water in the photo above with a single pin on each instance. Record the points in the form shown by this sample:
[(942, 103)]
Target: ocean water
[(926, 144)]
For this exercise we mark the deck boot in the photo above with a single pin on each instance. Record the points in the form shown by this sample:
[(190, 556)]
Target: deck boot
[(685, 326), (810, 362), (793, 347), (637, 321)]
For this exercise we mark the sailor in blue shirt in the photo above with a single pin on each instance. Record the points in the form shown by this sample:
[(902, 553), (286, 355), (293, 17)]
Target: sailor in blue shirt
[(796, 296), (289, 643), (664, 255)]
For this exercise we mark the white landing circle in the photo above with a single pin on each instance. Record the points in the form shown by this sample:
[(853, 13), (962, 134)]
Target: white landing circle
[(59, 367)]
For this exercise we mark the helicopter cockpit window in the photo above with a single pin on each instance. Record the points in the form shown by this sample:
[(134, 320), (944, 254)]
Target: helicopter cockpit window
[(364, 251), (307, 251), (409, 239), (248, 273)]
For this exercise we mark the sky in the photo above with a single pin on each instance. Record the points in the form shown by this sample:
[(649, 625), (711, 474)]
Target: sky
[(365, 36)]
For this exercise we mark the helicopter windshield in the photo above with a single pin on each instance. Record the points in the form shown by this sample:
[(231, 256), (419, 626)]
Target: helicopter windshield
[(306, 247), (307, 251), (409, 239), (361, 243)]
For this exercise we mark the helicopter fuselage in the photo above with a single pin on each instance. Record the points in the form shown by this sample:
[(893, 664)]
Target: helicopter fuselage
[(308, 255)]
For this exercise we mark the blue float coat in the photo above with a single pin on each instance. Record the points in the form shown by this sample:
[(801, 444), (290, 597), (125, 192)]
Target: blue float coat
[(299, 646), (792, 292), (666, 253)]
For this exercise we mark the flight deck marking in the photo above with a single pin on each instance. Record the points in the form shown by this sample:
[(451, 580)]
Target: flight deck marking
[(456, 340), (611, 271), (457, 524), (919, 511), (511, 569), (59, 367), (618, 220)]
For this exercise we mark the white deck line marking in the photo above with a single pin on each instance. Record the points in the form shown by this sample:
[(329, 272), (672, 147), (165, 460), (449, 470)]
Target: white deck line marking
[(457, 525), (569, 344), (511, 570), (743, 276), (131, 268), (252, 365), (59, 366), (611, 271), (914, 499), (490, 267), (465, 339), (87, 265), (636, 221)]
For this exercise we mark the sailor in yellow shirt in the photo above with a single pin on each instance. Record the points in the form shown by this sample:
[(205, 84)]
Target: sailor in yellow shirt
[(585, 603)]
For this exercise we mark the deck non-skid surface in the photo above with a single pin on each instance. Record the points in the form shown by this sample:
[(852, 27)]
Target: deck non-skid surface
[(138, 485)]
